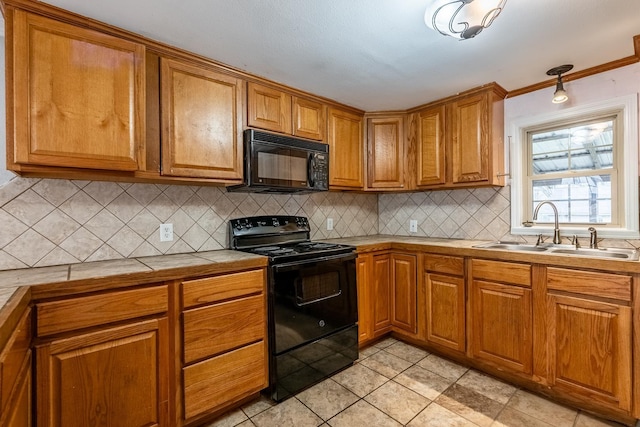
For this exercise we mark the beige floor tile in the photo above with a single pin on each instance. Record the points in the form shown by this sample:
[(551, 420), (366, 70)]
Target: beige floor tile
[(587, 420), (443, 367), (488, 386), (327, 398), (470, 404), (424, 382), (437, 416), (407, 352), (246, 423), (257, 406), (385, 343), (229, 419), (397, 401), (511, 418), (386, 364), (360, 379), (543, 409), (363, 354), (290, 413), (362, 414)]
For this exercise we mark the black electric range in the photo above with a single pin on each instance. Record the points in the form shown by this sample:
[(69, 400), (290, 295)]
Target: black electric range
[(312, 300)]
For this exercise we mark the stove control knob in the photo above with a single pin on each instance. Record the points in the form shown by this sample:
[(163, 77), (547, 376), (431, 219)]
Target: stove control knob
[(275, 222)]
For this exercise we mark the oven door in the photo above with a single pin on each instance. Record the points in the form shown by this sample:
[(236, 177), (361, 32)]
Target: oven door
[(312, 299)]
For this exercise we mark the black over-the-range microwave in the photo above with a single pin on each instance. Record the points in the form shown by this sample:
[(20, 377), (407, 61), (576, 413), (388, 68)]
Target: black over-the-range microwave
[(283, 164)]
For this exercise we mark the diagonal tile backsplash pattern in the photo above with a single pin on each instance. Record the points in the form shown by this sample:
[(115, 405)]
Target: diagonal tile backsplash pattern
[(482, 213), (48, 222)]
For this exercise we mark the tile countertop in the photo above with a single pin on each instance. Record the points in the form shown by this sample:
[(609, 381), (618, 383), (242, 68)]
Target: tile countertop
[(62, 280), (465, 248)]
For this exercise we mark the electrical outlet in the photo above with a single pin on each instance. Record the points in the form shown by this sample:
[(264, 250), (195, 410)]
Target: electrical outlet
[(329, 224), (413, 226), (166, 232)]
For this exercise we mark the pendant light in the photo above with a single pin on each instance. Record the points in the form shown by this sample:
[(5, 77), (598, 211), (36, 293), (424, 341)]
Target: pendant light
[(560, 95), (462, 19)]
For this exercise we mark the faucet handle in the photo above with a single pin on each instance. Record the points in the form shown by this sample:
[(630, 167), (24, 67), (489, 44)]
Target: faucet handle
[(540, 239), (574, 241)]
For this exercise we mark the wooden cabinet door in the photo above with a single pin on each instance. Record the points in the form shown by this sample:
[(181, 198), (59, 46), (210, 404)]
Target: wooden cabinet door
[(381, 294), (431, 148), (445, 310), (589, 348), (116, 376), (201, 122), (364, 265), (309, 118), (385, 153), (470, 139), (345, 150), (78, 96), (16, 376), (501, 325), (268, 108), (404, 295)]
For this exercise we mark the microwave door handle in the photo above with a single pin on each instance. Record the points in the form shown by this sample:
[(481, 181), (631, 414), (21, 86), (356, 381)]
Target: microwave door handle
[(311, 165), (279, 268)]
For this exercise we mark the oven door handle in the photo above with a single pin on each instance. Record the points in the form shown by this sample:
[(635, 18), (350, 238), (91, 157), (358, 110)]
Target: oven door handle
[(296, 264)]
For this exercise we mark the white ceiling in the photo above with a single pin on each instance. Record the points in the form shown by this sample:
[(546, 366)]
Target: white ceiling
[(378, 54)]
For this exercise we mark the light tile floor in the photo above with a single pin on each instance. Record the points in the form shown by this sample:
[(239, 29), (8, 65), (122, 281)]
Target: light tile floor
[(396, 384)]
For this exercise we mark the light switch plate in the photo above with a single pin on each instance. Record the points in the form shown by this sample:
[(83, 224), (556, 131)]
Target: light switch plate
[(413, 226), (329, 224)]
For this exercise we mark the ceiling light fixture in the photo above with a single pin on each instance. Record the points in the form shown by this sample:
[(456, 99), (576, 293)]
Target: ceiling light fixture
[(462, 19), (559, 95)]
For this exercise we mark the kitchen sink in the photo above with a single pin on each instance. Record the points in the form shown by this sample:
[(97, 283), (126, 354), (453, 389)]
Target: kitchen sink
[(615, 253), (628, 254), (512, 246)]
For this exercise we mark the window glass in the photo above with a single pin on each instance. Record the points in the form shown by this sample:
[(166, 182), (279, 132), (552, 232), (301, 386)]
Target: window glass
[(573, 166)]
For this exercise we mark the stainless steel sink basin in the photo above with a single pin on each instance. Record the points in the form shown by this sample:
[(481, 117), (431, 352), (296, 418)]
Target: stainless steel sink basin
[(628, 254), (512, 247), (613, 253)]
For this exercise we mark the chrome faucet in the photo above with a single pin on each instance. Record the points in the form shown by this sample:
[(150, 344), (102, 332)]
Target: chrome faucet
[(593, 239), (556, 230)]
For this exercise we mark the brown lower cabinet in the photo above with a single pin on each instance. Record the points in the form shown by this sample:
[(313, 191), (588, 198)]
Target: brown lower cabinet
[(444, 313), (589, 340), (567, 332), (500, 314), (108, 377), (166, 354), (16, 376)]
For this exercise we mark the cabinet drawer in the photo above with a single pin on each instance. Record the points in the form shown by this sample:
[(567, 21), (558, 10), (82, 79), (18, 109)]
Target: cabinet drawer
[(215, 381), (218, 288), (76, 313), (213, 329), (604, 285), (13, 358), (444, 264), (506, 272)]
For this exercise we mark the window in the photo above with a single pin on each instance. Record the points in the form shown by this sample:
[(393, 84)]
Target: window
[(584, 160), (575, 166)]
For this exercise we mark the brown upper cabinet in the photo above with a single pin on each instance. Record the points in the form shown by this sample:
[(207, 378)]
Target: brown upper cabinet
[(386, 156), (459, 140), (201, 128), (78, 97), (278, 111), (345, 150)]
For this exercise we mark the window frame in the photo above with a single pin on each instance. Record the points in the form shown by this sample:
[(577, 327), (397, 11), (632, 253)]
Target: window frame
[(626, 109)]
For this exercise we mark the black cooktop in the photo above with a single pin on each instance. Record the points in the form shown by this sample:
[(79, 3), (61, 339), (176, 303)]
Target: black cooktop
[(280, 237)]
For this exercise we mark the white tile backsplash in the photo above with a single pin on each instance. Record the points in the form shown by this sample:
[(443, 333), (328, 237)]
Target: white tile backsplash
[(48, 222)]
